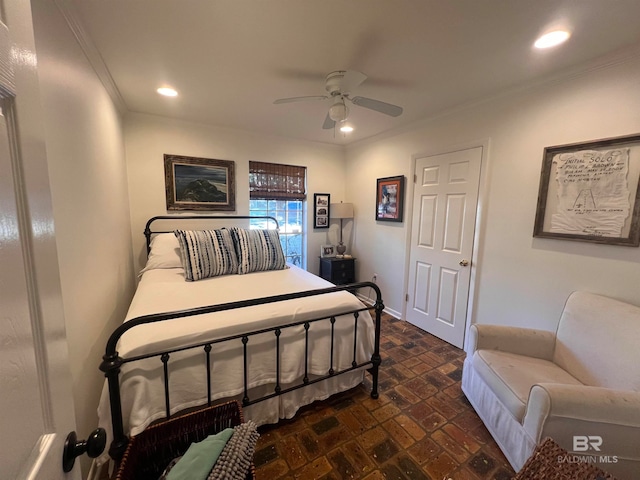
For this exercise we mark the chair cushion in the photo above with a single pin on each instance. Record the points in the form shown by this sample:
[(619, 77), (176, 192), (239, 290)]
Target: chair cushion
[(597, 341), (511, 376)]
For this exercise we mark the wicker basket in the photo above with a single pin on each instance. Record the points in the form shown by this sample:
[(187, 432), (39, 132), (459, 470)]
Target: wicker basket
[(544, 464), (148, 453)]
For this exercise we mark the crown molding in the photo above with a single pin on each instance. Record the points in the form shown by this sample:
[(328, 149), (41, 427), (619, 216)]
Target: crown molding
[(92, 53)]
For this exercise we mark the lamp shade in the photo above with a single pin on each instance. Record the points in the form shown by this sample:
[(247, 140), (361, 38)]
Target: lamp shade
[(341, 210)]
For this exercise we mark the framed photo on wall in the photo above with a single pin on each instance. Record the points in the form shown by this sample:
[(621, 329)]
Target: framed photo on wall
[(321, 212), (193, 183), (590, 192), (390, 199)]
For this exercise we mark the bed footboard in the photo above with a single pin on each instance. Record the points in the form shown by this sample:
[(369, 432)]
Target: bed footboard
[(112, 361)]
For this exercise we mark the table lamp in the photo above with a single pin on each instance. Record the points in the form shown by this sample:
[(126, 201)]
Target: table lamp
[(341, 211)]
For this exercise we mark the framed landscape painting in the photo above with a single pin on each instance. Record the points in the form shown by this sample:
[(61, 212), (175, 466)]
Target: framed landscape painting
[(193, 183)]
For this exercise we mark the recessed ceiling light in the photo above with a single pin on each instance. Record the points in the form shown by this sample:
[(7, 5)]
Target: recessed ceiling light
[(552, 39), (167, 92)]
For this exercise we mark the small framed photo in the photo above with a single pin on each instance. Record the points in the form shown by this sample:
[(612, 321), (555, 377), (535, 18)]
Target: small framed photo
[(390, 199), (321, 203), (327, 251)]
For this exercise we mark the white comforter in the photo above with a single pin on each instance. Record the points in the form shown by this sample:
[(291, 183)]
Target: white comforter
[(164, 290)]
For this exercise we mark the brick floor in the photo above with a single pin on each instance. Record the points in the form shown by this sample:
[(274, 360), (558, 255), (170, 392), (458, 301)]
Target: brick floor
[(421, 427)]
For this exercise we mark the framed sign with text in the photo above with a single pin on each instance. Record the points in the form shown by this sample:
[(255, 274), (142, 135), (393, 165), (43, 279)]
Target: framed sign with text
[(589, 192)]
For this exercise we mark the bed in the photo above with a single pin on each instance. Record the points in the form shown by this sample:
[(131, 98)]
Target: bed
[(274, 339)]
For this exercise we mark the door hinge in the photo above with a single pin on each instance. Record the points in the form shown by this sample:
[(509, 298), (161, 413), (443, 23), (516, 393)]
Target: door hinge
[(406, 297), (415, 178)]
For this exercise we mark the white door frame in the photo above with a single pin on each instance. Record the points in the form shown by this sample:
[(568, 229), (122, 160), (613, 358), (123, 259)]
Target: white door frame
[(478, 235)]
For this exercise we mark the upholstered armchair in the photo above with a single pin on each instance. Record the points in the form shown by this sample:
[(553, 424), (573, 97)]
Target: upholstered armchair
[(579, 385)]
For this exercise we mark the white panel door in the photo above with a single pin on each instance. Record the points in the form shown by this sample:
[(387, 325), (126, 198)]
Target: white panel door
[(35, 388), (443, 223)]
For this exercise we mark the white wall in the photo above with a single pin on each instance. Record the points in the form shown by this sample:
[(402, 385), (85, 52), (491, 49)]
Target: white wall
[(519, 280), (85, 150), (99, 215), (148, 138)]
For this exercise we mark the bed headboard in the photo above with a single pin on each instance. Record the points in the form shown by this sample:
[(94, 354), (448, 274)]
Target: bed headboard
[(177, 219)]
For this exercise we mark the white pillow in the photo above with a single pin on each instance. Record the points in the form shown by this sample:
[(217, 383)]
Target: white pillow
[(165, 252)]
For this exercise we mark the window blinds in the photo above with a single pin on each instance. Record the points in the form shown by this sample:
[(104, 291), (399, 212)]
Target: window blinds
[(273, 181)]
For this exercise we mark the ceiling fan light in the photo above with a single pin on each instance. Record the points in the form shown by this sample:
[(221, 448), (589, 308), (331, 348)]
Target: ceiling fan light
[(167, 91), (338, 112), (552, 39), (346, 128)]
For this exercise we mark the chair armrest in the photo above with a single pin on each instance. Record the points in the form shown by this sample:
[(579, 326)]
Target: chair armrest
[(523, 341), (563, 411)]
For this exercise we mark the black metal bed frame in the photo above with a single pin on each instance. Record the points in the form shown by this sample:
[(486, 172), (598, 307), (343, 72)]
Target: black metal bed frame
[(112, 361)]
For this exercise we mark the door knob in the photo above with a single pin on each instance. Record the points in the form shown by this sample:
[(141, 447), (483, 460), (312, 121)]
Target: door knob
[(464, 263), (93, 447)]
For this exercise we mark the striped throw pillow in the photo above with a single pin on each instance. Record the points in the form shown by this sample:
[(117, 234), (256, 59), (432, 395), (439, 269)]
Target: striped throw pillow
[(258, 250), (207, 253)]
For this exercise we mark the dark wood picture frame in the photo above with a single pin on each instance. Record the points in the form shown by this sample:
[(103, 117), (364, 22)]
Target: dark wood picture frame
[(193, 183), (390, 199), (321, 210), (583, 185)]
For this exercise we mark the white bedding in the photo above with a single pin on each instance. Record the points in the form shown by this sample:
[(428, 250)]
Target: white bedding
[(164, 290)]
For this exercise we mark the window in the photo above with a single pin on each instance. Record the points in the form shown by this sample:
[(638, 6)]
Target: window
[(280, 191)]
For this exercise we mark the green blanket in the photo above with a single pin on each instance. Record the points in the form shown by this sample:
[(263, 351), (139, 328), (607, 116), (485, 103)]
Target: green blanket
[(199, 459)]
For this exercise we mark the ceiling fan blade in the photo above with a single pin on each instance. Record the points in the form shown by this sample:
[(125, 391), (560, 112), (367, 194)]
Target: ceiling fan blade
[(351, 79), (328, 123), (377, 105), (300, 99)]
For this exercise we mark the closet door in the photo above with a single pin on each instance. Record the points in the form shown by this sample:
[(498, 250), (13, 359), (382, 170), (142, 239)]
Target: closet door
[(445, 203)]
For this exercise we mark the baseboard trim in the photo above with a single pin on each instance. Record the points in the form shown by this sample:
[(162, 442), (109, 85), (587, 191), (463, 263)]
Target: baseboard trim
[(371, 302), (93, 472), (99, 472)]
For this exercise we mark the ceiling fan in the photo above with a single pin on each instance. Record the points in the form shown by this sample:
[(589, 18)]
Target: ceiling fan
[(339, 84)]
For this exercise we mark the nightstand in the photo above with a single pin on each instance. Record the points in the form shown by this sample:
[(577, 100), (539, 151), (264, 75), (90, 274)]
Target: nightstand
[(338, 270)]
